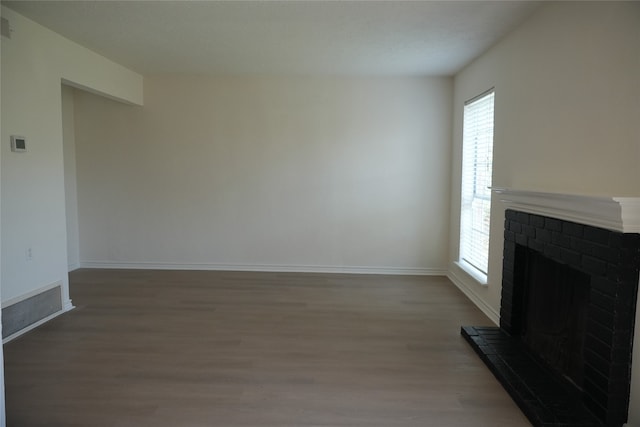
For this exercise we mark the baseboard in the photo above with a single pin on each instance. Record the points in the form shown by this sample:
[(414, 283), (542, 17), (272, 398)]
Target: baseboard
[(492, 314), (67, 305), (266, 268)]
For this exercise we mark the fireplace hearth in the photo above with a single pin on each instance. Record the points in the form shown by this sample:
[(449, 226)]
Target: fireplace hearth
[(563, 348)]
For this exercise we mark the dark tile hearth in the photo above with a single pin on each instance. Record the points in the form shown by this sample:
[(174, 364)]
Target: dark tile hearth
[(542, 397)]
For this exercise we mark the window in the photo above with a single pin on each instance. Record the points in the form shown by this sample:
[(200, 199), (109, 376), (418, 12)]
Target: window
[(477, 161)]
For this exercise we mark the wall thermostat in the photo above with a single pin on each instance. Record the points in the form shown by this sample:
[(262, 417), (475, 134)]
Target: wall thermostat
[(18, 143)]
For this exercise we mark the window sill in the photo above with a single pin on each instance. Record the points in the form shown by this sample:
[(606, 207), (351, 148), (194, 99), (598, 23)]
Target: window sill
[(478, 277)]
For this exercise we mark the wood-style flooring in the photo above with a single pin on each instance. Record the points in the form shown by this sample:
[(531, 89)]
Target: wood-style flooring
[(196, 348)]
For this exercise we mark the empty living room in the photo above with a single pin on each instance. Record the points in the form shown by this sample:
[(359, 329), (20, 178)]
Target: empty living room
[(320, 213)]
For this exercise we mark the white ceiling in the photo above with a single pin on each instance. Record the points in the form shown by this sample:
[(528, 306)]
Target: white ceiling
[(283, 37)]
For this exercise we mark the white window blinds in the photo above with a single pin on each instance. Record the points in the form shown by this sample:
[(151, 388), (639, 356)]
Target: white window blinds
[(477, 161)]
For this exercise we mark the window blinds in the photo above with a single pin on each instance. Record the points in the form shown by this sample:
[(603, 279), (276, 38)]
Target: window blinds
[(477, 160)]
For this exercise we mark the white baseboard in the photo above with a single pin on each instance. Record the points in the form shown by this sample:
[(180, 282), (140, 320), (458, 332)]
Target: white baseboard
[(492, 314), (266, 268), (68, 305)]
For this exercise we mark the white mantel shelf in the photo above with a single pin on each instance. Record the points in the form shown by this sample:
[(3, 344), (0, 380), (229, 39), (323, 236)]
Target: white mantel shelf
[(613, 213)]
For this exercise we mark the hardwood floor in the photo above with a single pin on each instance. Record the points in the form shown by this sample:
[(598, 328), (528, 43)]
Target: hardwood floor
[(194, 348)]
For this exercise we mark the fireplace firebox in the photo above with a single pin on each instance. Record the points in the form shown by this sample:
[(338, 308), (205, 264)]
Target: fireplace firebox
[(555, 313), (563, 348)]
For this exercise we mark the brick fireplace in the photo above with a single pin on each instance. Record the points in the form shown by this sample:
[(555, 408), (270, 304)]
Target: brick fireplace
[(569, 291)]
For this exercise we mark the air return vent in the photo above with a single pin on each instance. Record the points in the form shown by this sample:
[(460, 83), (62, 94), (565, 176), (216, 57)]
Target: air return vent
[(5, 29)]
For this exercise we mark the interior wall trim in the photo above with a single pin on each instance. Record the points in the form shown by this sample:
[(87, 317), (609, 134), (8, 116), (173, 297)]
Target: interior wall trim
[(492, 314), (278, 268), (610, 212)]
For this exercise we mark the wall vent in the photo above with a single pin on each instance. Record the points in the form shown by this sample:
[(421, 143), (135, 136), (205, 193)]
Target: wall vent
[(22, 314), (5, 28)]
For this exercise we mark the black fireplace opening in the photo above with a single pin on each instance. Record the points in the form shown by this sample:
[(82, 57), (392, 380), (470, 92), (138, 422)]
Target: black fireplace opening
[(556, 301), (563, 348)]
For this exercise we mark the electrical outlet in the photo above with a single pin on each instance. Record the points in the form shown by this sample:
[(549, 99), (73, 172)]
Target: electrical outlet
[(29, 254)]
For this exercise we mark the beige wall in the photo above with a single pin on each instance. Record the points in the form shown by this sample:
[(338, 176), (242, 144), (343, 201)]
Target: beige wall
[(34, 62), (566, 118), (309, 173)]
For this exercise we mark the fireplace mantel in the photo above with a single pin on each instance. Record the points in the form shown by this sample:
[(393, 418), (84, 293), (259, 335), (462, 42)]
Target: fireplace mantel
[(620, 214)]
